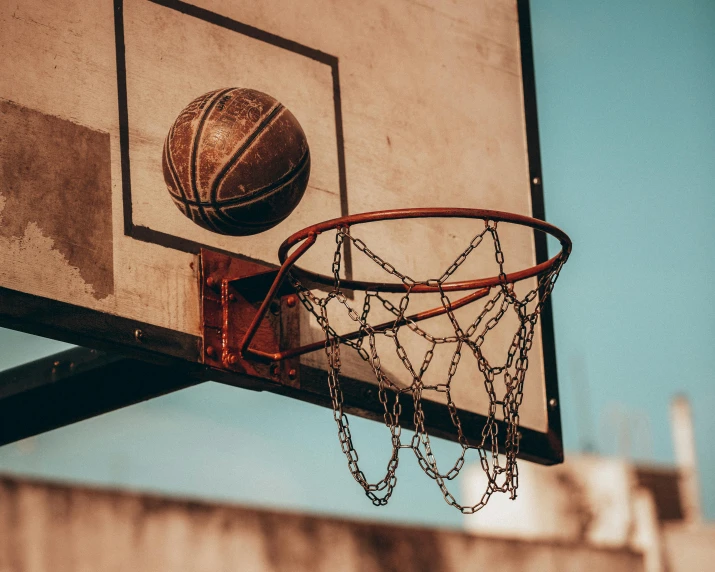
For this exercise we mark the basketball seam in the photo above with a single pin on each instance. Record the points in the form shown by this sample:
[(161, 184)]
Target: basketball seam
[(267, 120), (172, 170), (260, 128), (294, 174), (172, 166), (221, 218), (267, 189), (194, 154)]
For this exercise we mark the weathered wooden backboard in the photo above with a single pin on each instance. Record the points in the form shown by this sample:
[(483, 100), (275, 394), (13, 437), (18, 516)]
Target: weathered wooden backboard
[(404, 104)]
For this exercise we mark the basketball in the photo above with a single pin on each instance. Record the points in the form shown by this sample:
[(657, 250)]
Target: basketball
[(236, 161)]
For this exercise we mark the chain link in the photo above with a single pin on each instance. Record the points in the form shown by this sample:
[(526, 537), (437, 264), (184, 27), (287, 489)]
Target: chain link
[(500, 468)]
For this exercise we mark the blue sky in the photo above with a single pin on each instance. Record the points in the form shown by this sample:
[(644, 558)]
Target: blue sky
[(626, 95), (626, 101)]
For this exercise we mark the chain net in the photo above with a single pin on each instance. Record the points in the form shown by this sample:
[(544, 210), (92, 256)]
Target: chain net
[(500, 468)]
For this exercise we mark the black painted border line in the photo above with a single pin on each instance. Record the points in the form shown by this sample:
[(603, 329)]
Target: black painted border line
[(146, 234), (554, 429)]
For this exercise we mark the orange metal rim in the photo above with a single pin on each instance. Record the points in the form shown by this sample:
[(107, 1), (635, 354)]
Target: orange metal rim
[(313, 231)]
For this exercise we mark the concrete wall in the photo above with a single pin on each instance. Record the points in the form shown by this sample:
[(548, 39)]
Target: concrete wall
[(587, 500), (689, 547), (50, 527)]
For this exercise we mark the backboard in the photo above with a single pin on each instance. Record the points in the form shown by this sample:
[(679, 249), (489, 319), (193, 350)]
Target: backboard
[(404, 104)]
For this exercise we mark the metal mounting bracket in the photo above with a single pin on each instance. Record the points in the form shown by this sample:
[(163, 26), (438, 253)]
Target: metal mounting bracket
[(232, 291)]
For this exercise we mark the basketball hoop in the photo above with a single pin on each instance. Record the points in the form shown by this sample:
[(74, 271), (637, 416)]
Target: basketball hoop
[(502, 474)]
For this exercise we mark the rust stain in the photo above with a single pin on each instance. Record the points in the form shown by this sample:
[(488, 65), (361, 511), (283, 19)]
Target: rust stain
[(57, 175)]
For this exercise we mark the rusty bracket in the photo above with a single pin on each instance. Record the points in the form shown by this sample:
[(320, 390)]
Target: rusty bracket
[(232, 292)]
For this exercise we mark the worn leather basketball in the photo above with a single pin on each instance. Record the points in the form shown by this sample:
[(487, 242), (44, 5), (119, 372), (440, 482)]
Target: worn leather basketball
[(236, 161)]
